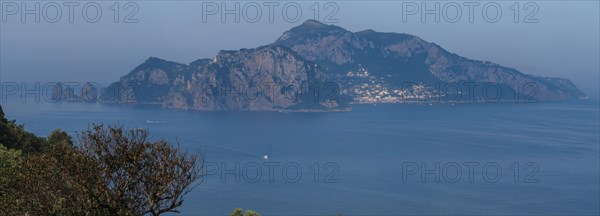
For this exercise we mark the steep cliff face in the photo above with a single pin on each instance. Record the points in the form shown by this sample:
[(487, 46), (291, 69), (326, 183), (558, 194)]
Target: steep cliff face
[(394, 60), (293, 74), (149, 83), (265, 78)]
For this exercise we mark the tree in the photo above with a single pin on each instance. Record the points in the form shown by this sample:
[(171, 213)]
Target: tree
[(2, 114), (112, 171), (238, 212), (58, 181), (10, 166), (14, 136), (141, 176), (59, 136)]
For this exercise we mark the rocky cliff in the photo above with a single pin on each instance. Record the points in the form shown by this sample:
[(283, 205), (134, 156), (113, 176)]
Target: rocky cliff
[(265, 78), (397, 62), (319, 67)]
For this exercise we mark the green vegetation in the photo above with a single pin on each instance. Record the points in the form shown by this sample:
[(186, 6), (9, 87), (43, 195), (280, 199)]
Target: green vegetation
[(110, 171), (13, 136), (238, 212)]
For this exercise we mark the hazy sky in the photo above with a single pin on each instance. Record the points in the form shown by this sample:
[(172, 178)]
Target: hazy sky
[(564, 42)]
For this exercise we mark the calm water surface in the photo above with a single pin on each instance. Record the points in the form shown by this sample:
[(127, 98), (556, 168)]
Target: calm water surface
[(508, 159)]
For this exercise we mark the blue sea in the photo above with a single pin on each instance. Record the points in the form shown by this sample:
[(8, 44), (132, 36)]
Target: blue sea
[(394, 159)]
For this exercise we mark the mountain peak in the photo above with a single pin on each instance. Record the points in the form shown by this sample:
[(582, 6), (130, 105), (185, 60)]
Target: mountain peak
[(155, 62), (309, 29), (154, 59), (313, 23)]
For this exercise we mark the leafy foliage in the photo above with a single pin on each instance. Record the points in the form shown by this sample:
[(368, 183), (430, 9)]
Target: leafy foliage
[(238, 212), (10, 165), (146, 177), (113, 171), (14, 136), (58, 180)]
